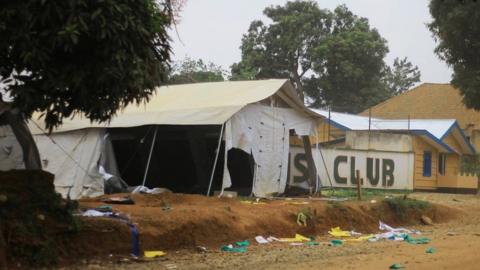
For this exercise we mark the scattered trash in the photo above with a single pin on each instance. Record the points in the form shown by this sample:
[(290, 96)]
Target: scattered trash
[(361, 238), (385, 227), (415, 241), (135, 241), (426, 220), (336, 242), (296, 244), (153, 254), (312, 243), (245, 243), (146, 190), (298, 238), (104, 208), (373, 201), (118, 200), (452, 233), (302, 219), (272, 238), (230, 248), (337, 232), (261, 240), (396, 266), (202, 249), (430, 250), (95, 213)]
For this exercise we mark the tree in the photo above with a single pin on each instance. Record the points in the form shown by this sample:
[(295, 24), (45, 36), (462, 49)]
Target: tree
[(456, 28), (335, 58), (401, 77), (348, 65), (191, 71), (82, 56), (282, 48)]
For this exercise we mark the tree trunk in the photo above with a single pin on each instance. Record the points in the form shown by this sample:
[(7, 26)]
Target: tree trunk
[(31, 156)]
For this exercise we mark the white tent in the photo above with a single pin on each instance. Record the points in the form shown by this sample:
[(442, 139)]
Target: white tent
[(255, 116)]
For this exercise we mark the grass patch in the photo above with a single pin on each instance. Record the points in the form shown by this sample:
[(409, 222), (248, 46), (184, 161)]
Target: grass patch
[(402, 204), (366, 193)]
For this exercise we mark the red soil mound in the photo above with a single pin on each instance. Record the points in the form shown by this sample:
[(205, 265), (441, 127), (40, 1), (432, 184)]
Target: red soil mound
[(195, 220)]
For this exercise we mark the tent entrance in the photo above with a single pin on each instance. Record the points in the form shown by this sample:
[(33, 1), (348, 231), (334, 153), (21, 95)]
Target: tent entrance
[(182, 158)]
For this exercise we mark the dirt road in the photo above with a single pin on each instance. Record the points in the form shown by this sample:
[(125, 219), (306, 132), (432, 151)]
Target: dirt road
[(457, 245)]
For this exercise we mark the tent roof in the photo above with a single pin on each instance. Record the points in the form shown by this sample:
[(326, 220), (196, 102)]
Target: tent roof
[(190, 104), (433, 130)]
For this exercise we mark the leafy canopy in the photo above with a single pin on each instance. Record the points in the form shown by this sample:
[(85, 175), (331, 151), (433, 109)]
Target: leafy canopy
[(456, 26), (90, 56), (336, 58), (192, 71), (401, 77)]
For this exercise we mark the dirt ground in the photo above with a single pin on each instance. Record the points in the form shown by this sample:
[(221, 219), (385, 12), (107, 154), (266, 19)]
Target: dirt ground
[(455, 234)]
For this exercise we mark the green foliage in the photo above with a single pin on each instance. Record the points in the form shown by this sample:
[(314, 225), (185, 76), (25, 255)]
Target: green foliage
[(349, 63), (192, 71), (282, 48), (90, 56), (367, 193), (456, 26), (401, 77), (335, 58), (401, 205)]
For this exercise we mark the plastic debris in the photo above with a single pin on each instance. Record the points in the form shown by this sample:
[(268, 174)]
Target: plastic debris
[(261, 240), (231, 248), (312, 243), (396, 266), (302, 219), (415, 241), (337, 232), (296, 244), (245, 243), (298, 238), (153, 254), (202, 249), (95, 213), (430, 250), (336, 242)]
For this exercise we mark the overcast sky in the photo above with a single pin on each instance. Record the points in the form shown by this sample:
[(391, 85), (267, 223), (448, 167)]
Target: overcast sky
[(212, 30)]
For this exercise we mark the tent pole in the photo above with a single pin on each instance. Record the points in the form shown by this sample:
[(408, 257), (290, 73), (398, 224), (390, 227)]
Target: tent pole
[(216, 159), (150, 156)]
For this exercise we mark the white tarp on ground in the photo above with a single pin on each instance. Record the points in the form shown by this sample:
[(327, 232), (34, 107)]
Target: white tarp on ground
[(263, 131), (379, 169)]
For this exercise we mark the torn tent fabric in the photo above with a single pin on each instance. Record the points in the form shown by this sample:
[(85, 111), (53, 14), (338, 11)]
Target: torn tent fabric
[(263, 131)]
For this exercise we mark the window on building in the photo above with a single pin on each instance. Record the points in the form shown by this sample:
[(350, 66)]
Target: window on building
[(427, 163), (442, 159)]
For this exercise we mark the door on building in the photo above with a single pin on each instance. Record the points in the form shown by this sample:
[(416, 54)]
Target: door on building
[(427, 163)]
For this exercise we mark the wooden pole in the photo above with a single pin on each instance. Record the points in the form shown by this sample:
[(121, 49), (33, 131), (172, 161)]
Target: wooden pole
[(359, 183)]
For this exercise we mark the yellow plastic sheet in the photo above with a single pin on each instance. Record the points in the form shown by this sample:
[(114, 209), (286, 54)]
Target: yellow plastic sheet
[(361, 238), (153, 254), (337, 232), (298, 238)]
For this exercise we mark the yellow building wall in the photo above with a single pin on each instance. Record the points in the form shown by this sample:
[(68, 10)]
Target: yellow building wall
[(324, 135), (452, 164), (421, 181), (452, 142)]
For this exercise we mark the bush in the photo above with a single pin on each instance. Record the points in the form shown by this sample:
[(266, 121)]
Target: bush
[(401, 205)]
